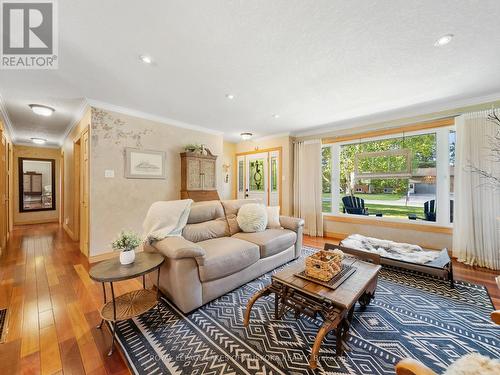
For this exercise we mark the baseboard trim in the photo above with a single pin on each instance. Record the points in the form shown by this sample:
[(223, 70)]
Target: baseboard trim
[(69, 232), (41, 221), (106, 256), (335, 235)]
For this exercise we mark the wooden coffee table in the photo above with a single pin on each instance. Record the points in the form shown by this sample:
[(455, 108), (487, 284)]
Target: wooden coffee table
[(131, 304), (335, 307)]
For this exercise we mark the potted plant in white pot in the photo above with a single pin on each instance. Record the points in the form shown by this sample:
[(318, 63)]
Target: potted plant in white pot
[(127, 243)]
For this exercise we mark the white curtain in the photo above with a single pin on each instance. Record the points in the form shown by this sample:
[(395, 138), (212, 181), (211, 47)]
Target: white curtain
[(307, 186), (476, 227)]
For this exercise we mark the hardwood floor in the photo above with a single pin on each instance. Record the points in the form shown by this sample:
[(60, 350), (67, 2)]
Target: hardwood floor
[(53, 305)]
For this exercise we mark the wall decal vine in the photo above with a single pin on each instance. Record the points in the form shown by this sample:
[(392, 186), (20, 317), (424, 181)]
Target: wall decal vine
[(114, 129)]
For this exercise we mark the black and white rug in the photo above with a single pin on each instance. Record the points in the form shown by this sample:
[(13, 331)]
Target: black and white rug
[(411, 316)]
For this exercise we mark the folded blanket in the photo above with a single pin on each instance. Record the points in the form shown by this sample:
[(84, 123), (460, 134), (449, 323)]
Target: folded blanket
[(390, 249), (166, 219)]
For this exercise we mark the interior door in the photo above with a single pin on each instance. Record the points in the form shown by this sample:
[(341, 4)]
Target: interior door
[(257, 177), (84, 192), (3, 192)]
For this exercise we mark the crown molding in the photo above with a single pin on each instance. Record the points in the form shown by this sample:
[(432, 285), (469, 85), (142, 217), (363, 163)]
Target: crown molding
[(432, 109), (8, 123), (151, 117), (76, 119)]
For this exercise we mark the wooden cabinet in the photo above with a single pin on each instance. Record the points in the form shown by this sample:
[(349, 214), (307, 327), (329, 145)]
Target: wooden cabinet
[(198, 176), (32, 183)]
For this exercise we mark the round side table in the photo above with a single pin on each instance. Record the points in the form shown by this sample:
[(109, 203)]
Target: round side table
[(131, 304)]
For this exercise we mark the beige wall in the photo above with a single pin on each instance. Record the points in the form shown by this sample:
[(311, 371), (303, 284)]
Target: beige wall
[(229, 151), (69, 175), (42, 153), (120, 203), (285, 142)]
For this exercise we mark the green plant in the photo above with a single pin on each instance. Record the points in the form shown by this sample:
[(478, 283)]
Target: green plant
[(192, 147), (126, 241)]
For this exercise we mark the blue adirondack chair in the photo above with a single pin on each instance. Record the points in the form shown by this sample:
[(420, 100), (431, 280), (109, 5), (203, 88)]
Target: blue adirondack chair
[(356, 206), (430, 211)]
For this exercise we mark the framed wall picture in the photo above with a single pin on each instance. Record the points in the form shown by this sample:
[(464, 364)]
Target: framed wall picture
[(144, 163)]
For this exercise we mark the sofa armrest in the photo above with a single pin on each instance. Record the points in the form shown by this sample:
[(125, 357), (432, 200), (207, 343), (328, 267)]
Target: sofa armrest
[(410, 366), (178, 248), (292, 223)]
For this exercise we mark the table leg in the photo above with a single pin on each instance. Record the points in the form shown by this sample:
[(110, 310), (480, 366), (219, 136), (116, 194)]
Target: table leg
[(158, 290), (104, 294), (261, 293), (327, 326), (111, 349)]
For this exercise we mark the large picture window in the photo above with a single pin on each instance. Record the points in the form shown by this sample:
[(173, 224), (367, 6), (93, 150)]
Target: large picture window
[(392, 177)]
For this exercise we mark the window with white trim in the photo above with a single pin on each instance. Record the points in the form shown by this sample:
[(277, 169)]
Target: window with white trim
[(401, 176)]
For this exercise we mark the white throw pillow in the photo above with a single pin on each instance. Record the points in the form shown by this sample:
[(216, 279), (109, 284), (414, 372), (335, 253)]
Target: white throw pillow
[(252, 217), (273, 217)]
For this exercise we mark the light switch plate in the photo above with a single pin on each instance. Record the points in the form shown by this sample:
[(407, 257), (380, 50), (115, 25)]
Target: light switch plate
[(109, 173)]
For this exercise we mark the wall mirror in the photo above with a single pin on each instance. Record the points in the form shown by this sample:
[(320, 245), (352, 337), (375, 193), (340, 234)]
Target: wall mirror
[(37, 190)]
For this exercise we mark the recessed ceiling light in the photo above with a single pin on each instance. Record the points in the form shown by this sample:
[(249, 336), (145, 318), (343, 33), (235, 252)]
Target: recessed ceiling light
[(146, 59), (246, 136), (230, 96), (42, 110), (276, 115), (38, 141), (445, 39)]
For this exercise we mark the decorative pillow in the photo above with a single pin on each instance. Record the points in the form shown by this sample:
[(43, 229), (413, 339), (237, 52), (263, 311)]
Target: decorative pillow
[(474, 364), (252, 217), (232, 225), (273, 217)]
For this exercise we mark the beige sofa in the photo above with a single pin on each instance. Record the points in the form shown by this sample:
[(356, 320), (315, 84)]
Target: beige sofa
[(214, 257)]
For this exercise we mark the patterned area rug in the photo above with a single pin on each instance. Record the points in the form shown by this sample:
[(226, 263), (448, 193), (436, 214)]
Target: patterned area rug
[(412, 315)]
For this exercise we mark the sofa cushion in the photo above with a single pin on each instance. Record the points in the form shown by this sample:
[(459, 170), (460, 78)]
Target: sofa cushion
[(205, 211), (206, 230), (225, 256), (271, 241), (231, 207)]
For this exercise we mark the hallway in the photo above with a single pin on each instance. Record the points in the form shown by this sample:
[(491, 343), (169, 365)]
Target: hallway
[(53, 307)]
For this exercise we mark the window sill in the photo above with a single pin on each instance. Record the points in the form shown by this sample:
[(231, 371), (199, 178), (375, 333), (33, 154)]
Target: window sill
[(389, 223)]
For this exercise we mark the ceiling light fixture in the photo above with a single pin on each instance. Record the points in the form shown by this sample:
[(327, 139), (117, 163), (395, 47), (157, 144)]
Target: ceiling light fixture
[(445, 39), (246, 136), (38, 141), (276, 115), (230, 96), (42, 110), (146, 59)]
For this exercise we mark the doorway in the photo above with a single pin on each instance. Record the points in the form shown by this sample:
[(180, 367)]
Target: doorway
[(81, 172), (259, 176)]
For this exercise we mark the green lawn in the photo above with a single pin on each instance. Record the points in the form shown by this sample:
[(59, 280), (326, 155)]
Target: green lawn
[(385, 210), (377, 197)]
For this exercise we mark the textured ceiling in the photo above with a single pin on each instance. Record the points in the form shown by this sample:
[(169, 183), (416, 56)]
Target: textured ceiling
[(315, 62)]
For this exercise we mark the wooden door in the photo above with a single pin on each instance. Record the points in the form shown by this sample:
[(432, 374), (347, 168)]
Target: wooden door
[(84, 194), (208, 174), (4, 208)]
